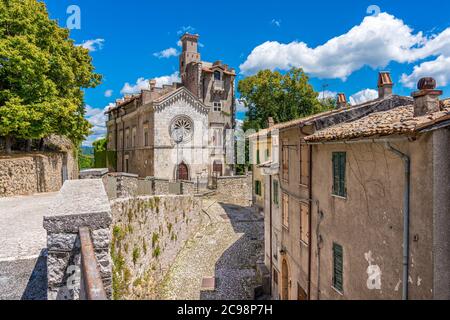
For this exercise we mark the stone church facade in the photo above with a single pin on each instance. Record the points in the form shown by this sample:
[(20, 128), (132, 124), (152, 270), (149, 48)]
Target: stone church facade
[(176, 132)]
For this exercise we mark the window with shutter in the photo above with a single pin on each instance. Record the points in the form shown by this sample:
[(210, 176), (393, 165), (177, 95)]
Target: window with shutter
[(304, 223), (304, 165), (258, 187), (285, 210), (285, 161), (339, 171), (275, 193), (338, 267)]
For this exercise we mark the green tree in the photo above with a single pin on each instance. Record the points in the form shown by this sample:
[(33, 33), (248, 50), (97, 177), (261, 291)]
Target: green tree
[(42, 75), (281, 96), (100, 153)]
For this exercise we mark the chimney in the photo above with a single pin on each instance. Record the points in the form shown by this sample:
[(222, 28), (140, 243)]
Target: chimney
[(385, 84), (270, 122), (426, 100), (341, 101), (152, 84)]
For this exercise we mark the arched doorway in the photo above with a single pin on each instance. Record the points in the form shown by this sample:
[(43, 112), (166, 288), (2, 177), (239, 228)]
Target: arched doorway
[(183, 171), (218, 168), (285, 281)]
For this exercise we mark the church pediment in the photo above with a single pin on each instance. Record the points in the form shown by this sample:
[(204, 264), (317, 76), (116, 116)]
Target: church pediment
[(181, 94)]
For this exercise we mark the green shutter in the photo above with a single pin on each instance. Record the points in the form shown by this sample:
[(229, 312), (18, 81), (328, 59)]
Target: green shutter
[(338, 267), (275, 192), (339, 165), (258, 188), (258, 160)]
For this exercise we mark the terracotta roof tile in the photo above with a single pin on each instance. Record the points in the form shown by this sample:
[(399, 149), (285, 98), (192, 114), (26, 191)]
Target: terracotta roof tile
[(399, 120)]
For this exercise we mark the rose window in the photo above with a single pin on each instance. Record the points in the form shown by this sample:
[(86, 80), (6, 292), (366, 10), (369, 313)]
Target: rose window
[(181, 129)]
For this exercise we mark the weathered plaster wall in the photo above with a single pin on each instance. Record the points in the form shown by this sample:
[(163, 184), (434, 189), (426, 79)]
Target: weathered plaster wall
[(441, 213), (288, 237), (235, 190), (148, 233), (368, 223), (35, 172)]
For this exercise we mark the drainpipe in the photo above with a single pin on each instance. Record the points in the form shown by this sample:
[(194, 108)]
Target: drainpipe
[(270, 237), (406, 200)]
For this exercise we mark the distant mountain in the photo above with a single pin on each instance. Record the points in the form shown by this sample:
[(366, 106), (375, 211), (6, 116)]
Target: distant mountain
[(88, 151)]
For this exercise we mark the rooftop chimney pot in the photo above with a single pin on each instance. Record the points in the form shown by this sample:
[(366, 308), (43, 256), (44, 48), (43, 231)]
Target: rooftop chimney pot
[(385, 84), (341, 101), (426, 100)]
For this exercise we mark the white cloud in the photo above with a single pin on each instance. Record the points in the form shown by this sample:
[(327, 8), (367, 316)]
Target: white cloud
[(363, 96), (108, 93), (185, 29), (327, 94), (375, 42), (143, 83), (97, 118), (439, 69), (167, 53), (276, 22), (93, 45), (240, 107)]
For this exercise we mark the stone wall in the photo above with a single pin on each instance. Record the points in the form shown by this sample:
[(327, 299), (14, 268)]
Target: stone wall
[(148, 233), (25, 174), (160, 186), (235, 190), (80, 203)]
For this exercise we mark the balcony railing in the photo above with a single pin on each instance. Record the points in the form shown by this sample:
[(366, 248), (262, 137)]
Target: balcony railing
[(219, 85)]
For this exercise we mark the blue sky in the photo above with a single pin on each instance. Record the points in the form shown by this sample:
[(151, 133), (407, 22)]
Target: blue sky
[(341, 44)]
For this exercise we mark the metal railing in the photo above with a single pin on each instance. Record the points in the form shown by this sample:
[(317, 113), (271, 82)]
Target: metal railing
[(92, 287)]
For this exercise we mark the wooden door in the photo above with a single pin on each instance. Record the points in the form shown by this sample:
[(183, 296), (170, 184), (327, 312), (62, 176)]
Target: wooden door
[(183, 172)]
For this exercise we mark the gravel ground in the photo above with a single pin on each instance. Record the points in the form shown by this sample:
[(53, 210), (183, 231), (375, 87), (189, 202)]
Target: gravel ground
[(227, 248)]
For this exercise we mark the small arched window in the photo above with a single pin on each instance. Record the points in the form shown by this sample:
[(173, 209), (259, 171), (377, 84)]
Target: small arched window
[(217, 75)]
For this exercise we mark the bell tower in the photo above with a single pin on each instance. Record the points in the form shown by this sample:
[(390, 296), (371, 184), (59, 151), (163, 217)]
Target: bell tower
[(189, 53)]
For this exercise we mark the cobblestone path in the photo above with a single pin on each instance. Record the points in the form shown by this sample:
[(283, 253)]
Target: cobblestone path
[(227, 249)]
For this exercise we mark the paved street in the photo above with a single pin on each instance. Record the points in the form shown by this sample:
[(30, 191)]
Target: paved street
[(22, 240), (227, 249), (21, 231)]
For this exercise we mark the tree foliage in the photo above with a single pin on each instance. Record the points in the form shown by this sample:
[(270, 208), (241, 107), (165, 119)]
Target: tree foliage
[(42, 75), (281, 96)]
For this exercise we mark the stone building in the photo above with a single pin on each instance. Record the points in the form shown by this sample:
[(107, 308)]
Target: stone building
[(299, 200), (177, 131)]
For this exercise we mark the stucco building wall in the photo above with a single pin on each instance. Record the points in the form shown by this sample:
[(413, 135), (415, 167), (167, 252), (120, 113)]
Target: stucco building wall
[(368, 223)]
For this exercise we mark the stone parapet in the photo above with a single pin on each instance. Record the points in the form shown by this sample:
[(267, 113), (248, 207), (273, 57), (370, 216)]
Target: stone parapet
[(80, 203)]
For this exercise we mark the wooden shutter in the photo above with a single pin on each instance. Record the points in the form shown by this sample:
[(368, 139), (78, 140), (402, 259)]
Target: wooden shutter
[(339, 167), (304, 223), (275, 192), (338, 267)]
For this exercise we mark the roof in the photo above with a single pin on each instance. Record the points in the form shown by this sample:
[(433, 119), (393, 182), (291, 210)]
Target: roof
[(336, 116), (399, 120)]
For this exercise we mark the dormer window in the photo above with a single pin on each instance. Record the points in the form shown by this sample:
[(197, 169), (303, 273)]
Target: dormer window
[(217, 76)]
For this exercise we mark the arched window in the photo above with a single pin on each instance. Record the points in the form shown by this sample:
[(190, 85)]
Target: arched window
[(217, 75)]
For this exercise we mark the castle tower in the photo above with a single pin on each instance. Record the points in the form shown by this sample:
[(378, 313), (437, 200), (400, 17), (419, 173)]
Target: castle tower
[(189, 53)]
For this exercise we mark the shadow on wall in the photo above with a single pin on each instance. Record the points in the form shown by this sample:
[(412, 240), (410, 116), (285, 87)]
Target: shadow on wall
[(236, 275)]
